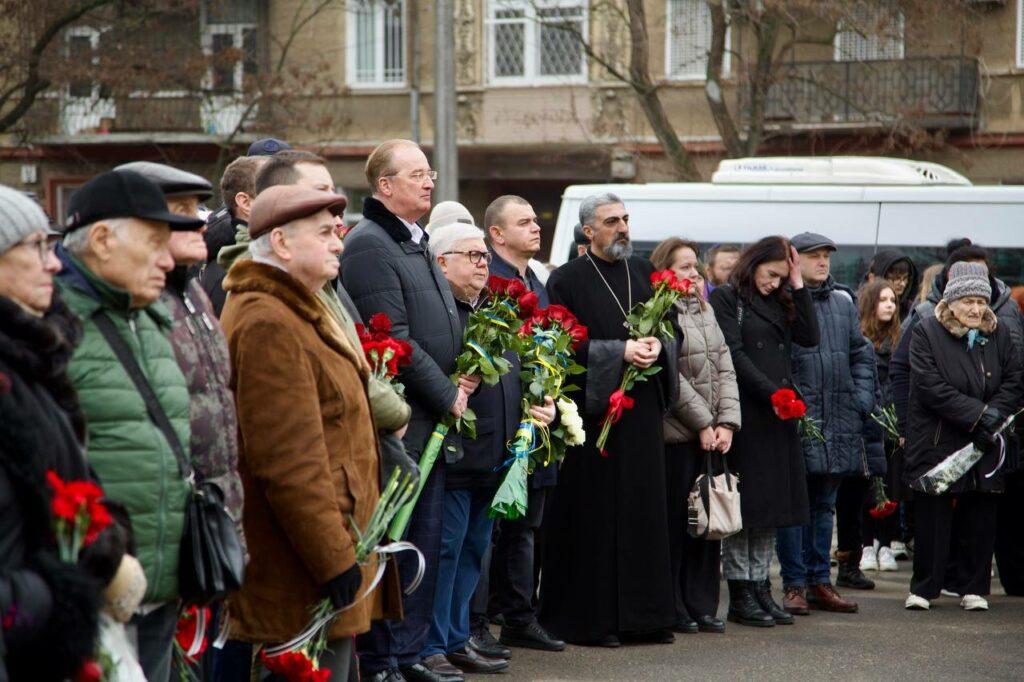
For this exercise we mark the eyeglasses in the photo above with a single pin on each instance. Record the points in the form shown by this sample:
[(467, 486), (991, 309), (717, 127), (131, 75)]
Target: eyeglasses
[(45, 247), (417, 176), (474, 256)]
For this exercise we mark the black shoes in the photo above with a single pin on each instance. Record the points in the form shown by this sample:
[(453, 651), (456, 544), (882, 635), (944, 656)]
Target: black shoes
[(685, 625), (763, 595), (434, 668), (391, 675), (710, 624), (470, 661), (531, 636), (483, 642), (744, 607), (850, 575)]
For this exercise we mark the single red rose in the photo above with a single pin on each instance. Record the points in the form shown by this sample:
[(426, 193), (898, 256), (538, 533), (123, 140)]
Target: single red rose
[(498, 286), (527, 304), (91, 671), (683, 286), (783, 396), (516, 289), (558, 313), (380, 324), (659, 276), (579, 334)]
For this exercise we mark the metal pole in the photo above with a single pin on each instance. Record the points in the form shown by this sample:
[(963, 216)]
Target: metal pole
[(413, 11), (446, 151)]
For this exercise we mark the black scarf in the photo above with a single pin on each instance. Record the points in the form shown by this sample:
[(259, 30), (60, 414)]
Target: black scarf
[(374, 210)]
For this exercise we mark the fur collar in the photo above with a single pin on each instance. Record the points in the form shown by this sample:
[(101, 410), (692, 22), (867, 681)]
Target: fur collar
[(374, 210), (250, 276), (945, 316)]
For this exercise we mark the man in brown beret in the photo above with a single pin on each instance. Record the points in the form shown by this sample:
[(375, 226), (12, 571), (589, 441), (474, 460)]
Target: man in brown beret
[(308, 451)]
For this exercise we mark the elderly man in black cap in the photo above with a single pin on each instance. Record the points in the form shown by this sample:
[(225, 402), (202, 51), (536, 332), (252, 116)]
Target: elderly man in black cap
[(836, 379), (116, 259)]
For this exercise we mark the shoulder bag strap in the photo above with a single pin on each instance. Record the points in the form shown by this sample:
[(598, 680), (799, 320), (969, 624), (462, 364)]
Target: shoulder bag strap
[(153, 406)]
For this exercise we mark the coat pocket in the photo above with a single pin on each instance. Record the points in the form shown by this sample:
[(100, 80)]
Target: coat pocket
[(343, 488)]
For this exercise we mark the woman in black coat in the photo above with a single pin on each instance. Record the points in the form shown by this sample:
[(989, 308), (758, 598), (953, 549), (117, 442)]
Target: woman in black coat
[(50, 608), (763, 310), (966, 380)]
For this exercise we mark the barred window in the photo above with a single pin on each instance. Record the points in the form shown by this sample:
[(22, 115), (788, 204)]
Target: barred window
[(537, 41), (688, 39), (873, 32), (376, 43)]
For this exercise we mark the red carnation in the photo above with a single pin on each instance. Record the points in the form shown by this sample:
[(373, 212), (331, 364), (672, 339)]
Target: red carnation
[(527, 304), (798, 408), (361, 332), (91, 671), (380, 324), (185, 636), (783, 396)]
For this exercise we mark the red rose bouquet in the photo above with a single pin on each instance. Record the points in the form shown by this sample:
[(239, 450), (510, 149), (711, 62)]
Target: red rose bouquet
[(78, 514), (490, 331), (546, 343), (384, 353), (645, 319), (788, 406)]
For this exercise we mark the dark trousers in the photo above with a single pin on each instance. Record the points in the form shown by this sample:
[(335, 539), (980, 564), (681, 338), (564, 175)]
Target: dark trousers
[(695, 562), (969, 527), (804, 550), (1010, 536), (849, 512), (233, 663), (512, 584), (390, 644), (154, 635)]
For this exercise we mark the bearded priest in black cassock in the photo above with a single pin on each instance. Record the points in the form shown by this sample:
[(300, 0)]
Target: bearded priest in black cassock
[(606, 574)]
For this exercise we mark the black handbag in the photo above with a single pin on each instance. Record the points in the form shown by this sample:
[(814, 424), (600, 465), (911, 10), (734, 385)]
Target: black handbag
[(211, 562)]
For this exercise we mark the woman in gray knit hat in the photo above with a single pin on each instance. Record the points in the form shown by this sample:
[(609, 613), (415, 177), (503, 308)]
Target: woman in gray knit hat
[(966, 380)]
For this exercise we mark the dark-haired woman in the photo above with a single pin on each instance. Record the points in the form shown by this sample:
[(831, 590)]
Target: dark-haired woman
[(763, 310)]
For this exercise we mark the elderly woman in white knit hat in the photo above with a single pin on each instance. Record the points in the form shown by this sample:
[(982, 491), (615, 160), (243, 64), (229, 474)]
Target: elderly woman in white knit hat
[(966, 380), (42, 429), (470, 482)]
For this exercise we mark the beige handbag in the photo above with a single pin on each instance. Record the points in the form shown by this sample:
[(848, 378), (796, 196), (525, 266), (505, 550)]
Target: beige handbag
[(714, 504)]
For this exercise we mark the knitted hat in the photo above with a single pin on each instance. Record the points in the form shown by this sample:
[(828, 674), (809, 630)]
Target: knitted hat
[(967, 279), (19, 217), (449, 212)]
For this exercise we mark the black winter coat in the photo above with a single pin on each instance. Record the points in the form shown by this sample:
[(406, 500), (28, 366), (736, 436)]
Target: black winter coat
[(385, 271), (50, 609), (950, 387), (766, 453)]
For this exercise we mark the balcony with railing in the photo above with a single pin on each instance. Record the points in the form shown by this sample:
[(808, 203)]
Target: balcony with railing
[(931, 92)]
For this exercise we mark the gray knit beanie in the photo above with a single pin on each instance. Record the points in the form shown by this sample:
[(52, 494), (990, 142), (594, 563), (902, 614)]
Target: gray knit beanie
[(19, 217), (967, 279)]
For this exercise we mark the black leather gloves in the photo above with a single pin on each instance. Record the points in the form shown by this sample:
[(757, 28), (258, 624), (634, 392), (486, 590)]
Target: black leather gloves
[(985, 429), (342, 589)]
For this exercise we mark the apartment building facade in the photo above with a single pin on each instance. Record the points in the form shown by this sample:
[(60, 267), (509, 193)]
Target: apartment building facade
[(537, 108)]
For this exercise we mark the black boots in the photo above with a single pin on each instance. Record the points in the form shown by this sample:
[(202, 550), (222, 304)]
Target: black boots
[(850, 574), (744, 607), (763, 594)]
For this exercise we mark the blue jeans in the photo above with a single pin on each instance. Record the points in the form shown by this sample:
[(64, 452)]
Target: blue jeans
[(804, 550), (465, 537)]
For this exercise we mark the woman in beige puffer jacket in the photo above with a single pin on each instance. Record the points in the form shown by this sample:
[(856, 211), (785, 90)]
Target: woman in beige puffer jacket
[(701, 421)]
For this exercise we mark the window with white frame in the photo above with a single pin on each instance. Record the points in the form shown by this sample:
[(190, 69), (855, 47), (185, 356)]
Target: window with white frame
[(537, 41), (874, 31), (688, 40), (376, 43), (229, 38), (87, 102), (1020, 33)]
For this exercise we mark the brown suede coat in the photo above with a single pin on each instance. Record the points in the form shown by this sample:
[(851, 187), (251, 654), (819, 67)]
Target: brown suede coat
[(307, 454)]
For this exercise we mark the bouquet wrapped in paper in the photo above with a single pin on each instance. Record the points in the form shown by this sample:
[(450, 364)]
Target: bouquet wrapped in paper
[(940, 477), (547, 341), (490, 330)]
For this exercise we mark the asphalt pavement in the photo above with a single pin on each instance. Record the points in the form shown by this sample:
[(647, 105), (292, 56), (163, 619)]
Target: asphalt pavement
[(881, 642)]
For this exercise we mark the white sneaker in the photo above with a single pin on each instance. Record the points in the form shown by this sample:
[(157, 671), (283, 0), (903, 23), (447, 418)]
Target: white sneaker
[(948, 593), (868, 559), (972, 602), (915, 603), (886, 561), (899, 550)]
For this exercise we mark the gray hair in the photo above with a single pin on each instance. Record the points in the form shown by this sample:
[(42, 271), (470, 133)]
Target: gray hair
[(261, 246), (77, 241), (589, 206), (443, 238)]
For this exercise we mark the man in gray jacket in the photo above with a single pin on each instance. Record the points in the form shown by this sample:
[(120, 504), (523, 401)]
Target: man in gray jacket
[(386, 268), (836, 379)]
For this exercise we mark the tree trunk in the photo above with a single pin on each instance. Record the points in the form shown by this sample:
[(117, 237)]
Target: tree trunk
[(640, 74), (713, 90)]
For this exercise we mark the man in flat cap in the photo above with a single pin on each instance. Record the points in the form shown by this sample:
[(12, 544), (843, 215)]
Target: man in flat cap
[(308, 452), (837, 381), (197, 337), (116, 260)]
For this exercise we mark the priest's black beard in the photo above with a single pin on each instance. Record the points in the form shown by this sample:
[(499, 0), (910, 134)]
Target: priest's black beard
[(619, 250)]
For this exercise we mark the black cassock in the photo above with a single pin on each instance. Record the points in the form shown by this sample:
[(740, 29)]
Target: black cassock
[(606, 558)]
